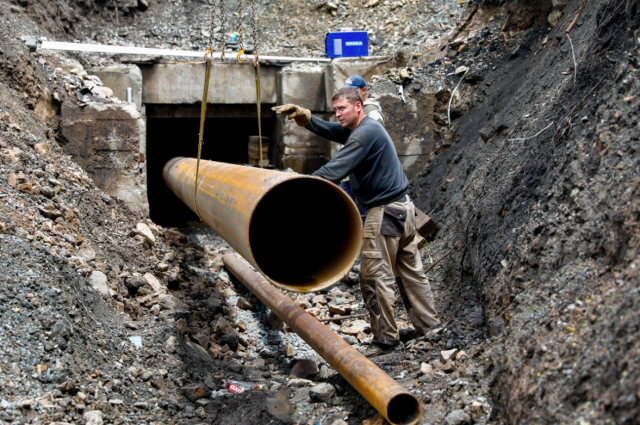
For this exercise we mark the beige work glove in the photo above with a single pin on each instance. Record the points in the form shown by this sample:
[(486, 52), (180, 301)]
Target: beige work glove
[(299, 114)]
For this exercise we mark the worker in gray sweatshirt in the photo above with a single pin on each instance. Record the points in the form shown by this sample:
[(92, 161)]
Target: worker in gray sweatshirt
[(390, 247)]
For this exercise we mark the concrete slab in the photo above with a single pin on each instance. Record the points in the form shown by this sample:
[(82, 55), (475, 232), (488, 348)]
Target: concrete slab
[(230, 83), (299, 149), (303, 86), (342, 68), (107, 141), (118, 78)]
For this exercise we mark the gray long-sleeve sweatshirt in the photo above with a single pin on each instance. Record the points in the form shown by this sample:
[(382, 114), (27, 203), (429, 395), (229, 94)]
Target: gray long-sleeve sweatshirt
[(368, 157)]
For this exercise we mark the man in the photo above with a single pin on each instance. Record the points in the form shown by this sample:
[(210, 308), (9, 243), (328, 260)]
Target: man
[(371, 107), (373, 110), (390, 247)]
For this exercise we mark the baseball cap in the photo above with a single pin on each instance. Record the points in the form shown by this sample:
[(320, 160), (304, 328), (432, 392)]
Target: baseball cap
[(355, 81)]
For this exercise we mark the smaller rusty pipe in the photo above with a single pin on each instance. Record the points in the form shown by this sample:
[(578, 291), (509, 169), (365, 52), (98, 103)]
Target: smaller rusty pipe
[(303, 233), (392, 400)]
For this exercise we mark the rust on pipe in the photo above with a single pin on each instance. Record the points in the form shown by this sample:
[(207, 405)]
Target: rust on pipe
[(303, 233), (392, 400)]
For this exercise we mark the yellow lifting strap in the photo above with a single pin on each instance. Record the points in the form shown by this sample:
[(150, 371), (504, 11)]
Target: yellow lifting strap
[(256, 67), (203, 113)]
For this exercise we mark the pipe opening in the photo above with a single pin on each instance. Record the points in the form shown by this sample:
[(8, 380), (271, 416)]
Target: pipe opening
[(305, 234), (403, 409)]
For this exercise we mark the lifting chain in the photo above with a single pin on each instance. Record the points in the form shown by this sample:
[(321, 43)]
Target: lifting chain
[(256, 67), (240, 35)]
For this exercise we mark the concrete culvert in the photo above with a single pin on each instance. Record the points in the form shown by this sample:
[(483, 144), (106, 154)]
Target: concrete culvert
[(301, 232)]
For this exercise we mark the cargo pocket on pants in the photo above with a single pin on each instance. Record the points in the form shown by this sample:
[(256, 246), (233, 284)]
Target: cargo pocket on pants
[(370, 264), (369, 295), (393, 221)]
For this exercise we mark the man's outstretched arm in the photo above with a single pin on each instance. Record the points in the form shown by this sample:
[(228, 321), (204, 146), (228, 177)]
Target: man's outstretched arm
[(329, 130)]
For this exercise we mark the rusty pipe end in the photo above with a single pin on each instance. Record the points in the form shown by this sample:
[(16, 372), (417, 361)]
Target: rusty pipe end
[(403, 409), (305, 234)]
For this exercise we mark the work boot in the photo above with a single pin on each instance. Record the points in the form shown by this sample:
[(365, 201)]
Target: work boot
[(376, 349)]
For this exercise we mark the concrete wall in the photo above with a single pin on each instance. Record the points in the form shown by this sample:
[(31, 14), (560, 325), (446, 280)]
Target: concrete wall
[(303, 86), (118, 78), (340, 69), (230, 83), (298, 148), (107, 140)]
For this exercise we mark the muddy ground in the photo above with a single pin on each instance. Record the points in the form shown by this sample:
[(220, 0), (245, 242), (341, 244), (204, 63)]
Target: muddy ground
[(534, 187)]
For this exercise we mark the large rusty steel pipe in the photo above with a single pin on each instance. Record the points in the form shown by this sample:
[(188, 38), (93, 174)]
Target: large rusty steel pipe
[(388, 397), (303, 233)]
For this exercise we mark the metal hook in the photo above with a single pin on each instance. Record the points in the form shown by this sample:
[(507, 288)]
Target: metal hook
[(240, 53)]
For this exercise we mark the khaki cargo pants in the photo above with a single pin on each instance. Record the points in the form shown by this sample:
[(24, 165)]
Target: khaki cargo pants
[(390, 256)]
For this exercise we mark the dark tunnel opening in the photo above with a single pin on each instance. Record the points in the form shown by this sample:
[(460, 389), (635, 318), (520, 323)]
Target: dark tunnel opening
[(172, 131)]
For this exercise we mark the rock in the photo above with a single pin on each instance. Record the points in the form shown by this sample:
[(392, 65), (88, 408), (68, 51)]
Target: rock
[(182, 325), (461, 356), (223, 327), (352, 330), (339, 309), (426, 369), (302, 301), (554, 17), (230, 339), (228, 292), (457, 417), (242, 326), (268, 354), (196, 392), (298, 383), (87, 253), (93, 417), (47, 191), (155, 310), (214, 305), (314, 311), (170, 345), (319, 299), (163, 267), (135, 282), (144, 230), (154, 283), (25, 404), (322, 392), (244, 304), (460, 70), (288, 350), (99, 281), (486, 133), (449, 367), (331, 6), (304, 369), (447, 355), (169, 302), (175, 236), (350, 339)]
